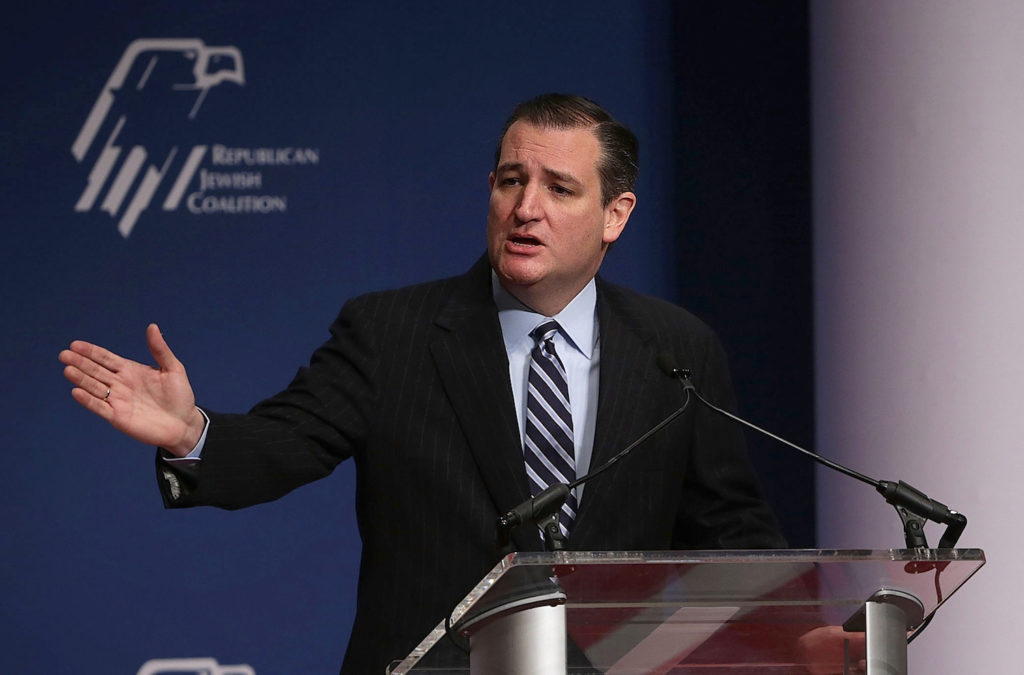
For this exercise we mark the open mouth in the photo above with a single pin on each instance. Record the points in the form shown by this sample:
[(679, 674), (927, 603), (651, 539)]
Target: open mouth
[(521, 240)]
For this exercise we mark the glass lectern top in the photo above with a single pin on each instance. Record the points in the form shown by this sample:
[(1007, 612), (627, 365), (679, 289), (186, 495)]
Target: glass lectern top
[(698, 611)]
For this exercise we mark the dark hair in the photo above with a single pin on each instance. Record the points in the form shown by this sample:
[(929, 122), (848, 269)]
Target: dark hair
[(620, 150)]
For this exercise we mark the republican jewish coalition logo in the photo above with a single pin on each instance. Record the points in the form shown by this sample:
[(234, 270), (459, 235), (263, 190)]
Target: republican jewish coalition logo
[(136, 138)]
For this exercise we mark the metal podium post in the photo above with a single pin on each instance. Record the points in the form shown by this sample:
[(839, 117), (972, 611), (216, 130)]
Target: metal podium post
[(527, 642), (886, 618)]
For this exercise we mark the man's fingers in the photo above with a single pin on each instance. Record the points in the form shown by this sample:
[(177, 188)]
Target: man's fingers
[(161, 352), (97, 354), (92, 403), (86, 383), (84, 366)]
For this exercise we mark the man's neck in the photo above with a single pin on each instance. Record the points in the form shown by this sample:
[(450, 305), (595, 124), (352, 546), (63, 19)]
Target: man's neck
[(544, 303), (577, 319)]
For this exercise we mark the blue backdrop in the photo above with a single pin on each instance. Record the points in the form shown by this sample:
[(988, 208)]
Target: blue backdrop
[(257, 164)]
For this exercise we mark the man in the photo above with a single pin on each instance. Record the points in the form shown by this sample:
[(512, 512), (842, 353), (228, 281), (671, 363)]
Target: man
[(431, 390)]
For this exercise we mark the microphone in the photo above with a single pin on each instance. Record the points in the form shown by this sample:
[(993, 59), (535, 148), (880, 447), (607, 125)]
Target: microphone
[(667, 363), (539, 510), (542, 509), (913, 506)]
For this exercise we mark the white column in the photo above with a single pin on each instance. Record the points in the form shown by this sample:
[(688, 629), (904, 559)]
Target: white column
[(919, 291)]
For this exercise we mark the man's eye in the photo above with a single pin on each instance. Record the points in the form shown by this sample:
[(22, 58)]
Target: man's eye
[(510, 181), (559, 190)]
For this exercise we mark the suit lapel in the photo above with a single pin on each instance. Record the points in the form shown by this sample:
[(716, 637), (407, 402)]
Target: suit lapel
[(627, 364), (469, 353)]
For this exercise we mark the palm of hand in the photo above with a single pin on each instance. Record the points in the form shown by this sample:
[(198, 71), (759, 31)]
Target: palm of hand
[(154, 405)]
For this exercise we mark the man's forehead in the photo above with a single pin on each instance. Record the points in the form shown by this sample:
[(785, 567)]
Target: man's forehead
[(559, 150)]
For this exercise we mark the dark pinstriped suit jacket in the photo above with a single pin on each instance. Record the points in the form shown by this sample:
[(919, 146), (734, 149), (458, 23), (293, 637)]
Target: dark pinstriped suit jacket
[(413, 385)]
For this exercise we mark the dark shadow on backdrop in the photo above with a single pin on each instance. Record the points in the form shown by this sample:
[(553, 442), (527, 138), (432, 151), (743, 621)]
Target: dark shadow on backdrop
[(743, 205)]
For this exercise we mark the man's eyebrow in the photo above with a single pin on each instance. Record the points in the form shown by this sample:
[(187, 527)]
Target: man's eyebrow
[(552, 173), (564, 177), (510, 166)]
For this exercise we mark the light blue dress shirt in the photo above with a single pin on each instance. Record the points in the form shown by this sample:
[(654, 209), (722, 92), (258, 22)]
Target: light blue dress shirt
[(577, 344)]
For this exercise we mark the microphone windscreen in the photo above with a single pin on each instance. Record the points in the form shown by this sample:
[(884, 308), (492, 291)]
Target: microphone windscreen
[(668, 364)]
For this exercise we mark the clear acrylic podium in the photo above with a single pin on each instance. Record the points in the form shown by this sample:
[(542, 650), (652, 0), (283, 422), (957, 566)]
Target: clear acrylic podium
[(698, 612)]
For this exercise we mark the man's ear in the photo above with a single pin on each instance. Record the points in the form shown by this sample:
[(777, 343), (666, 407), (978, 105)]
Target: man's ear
[(490, 181), (616, 214)]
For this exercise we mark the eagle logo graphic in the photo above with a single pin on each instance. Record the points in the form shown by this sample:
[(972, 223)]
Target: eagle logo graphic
[(156, 90)]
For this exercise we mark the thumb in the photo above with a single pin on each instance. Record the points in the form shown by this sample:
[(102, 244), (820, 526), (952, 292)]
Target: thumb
[(165, 358)]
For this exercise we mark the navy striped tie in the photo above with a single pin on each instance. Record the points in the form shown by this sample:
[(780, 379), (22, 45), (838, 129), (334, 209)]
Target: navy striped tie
[(549, 452)]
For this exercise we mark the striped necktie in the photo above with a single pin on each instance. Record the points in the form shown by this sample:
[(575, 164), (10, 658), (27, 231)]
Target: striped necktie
[(548, 450)]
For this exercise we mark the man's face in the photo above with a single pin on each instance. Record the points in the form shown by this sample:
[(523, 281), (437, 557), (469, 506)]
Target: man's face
[(547, 231)]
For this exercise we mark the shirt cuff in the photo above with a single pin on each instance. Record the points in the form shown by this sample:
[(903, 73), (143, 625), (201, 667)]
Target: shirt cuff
[(197, 452)]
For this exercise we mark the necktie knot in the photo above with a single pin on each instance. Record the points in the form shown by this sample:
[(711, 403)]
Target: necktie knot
[(545, 331), (544, 348)]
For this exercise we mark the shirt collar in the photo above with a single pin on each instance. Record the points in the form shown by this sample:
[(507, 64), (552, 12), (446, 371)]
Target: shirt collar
[(577, 319)]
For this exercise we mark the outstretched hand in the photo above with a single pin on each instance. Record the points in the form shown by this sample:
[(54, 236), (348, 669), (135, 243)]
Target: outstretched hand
[(154, 405)]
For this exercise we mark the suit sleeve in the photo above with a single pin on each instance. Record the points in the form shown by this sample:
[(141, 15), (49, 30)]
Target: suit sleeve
[(291, 439)]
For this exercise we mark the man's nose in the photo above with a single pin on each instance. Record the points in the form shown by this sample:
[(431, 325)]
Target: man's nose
[(528, 207)]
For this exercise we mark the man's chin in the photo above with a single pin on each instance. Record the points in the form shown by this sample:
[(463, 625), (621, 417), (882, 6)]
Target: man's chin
[(519, 273)]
